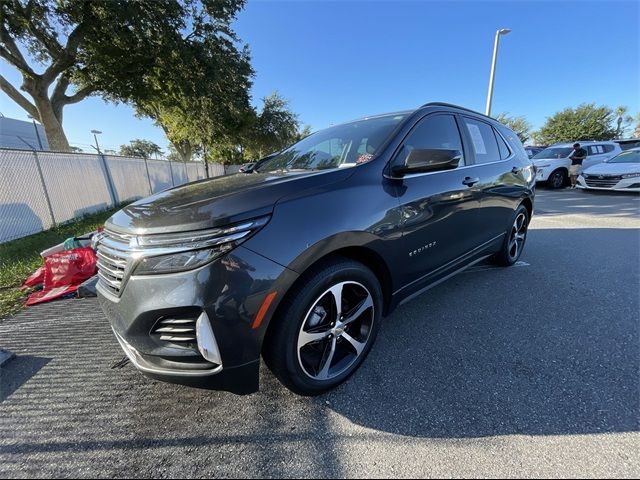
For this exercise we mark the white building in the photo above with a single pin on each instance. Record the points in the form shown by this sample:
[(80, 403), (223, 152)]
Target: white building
[(22, 135)]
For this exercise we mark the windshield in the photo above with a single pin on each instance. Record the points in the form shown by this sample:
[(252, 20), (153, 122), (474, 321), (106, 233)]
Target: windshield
[(554, 152), (630, 156), (336, 147)]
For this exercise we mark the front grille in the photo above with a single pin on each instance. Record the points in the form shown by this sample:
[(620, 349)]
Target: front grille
[(177, 330), (113, 254), (604, 182)]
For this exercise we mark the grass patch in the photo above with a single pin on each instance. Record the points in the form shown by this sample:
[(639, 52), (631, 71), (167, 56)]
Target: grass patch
[(20, 258)]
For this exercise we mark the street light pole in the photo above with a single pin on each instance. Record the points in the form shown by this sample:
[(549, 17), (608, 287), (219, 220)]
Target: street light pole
[(95, 136), (502, 31)]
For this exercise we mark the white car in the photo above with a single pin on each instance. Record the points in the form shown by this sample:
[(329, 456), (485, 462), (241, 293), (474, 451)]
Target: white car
[(552, 164), (621, 173)]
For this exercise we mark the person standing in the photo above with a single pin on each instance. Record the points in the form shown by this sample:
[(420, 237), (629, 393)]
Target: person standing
[(577, 157)]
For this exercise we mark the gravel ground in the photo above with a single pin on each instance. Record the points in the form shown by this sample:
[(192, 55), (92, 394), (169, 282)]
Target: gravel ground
[(529, 371)]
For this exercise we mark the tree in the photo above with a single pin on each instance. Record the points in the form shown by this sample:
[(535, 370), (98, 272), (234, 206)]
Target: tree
[(304, 133), (586, 122), (204, 98), (140, 148), (519, 125), (117, 49), (623, 120), (636, 133), (274, 128)]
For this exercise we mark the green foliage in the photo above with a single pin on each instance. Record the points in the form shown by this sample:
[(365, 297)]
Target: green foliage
[(175, 60), (586, 122), (141, 148), (258, 134), (519, 125)]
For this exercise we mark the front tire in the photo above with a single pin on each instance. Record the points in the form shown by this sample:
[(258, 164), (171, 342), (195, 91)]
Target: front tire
[(515, 238), (557, 179), (325, 328)]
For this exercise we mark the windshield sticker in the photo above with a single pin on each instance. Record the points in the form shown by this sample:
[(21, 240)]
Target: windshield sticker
[(364, 158), (476, 137)]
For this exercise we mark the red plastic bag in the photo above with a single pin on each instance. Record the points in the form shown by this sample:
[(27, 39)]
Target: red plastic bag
[(35, 279), (64, 272)]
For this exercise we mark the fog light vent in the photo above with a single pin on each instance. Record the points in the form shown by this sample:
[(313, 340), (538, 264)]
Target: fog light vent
[(181, 331)]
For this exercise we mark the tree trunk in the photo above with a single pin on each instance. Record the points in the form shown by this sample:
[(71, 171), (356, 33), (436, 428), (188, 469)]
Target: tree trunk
[(184, 149), (52, 124)]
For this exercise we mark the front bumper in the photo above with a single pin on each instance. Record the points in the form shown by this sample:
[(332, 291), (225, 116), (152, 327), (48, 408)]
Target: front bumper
[(622, 185), (220, 300)]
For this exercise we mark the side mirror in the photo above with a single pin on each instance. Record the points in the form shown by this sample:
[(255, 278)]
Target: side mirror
[(428, 160)]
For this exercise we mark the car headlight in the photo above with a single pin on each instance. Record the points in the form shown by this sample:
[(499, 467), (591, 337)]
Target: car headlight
[(631, 175), (179, 252)]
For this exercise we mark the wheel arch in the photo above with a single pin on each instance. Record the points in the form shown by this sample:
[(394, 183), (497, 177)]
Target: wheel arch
[(359, 253)]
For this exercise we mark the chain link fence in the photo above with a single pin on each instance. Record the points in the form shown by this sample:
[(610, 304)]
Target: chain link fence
[(39, 190)]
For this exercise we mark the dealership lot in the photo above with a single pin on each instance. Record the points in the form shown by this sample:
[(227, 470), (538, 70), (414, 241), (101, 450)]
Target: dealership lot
[(528, 371)]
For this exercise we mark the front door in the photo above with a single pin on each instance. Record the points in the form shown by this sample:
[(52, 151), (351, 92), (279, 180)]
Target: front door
[(440, 210)]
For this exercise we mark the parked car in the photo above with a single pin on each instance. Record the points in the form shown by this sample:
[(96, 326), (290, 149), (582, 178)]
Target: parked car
[(299, 261), (533, 150), (621, 173), (552, 164), (628, 143)]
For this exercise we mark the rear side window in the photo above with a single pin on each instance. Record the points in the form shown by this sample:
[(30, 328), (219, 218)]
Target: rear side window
[(595, 149), (483, 141), (433, 132), (502, 146), (608, 148)]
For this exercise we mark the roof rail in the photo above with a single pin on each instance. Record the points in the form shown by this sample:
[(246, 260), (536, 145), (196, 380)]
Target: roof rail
[(443, 104)]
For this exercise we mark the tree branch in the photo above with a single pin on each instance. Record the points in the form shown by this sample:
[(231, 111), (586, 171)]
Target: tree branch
[(10, 52), (67, 57), (78, 96), (17, 97)]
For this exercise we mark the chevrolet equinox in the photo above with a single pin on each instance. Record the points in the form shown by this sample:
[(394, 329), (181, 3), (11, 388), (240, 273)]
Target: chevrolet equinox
[(298, 259)]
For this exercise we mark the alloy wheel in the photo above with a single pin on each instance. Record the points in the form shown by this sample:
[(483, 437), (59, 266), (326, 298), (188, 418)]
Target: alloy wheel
[(517, 236), (335, 331), (558, 180)]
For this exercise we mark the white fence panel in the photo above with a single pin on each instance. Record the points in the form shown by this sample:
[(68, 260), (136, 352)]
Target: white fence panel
[(129, 177), (179, 170), (194, 172), (76, 184), (160, 175), (23, 204)]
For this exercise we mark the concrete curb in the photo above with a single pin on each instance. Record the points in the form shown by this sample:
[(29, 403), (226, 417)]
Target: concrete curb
[(5, 357)]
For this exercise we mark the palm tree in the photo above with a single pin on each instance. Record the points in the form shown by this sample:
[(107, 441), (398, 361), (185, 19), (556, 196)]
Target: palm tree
[(622, 117)]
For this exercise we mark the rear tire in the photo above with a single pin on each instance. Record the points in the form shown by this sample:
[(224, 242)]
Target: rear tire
[(557, 179), (515, 239), (312, 345)]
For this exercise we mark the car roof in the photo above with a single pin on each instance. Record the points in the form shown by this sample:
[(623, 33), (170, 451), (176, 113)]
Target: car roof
[(581, 142)]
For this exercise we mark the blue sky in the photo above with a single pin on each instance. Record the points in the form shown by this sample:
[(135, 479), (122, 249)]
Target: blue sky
[(336, 61)]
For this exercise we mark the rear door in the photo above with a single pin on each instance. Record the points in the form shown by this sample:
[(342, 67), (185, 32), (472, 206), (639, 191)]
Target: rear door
[(501, 178), (439, 209), (596, 153)]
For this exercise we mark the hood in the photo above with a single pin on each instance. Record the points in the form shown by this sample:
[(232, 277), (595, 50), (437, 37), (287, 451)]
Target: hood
[(613, 169), (536, 161), (216, 201)]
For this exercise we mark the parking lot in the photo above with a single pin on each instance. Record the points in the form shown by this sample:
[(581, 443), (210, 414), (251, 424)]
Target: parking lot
[(527, 371)]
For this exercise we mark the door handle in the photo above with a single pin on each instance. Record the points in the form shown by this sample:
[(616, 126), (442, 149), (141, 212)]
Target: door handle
[(470, 182), (516, 170)]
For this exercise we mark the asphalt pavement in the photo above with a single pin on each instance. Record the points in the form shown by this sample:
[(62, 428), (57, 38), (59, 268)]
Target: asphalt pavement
[(529, 371)]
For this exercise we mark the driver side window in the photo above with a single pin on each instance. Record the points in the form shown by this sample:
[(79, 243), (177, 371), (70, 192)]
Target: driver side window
[(433, 132)]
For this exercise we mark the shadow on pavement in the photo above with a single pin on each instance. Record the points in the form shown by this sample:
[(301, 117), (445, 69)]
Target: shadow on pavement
[(18, 371), (538, 350)]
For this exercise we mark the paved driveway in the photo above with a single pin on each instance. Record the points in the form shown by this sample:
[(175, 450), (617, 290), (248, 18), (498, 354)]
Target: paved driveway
[(527, 371)]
